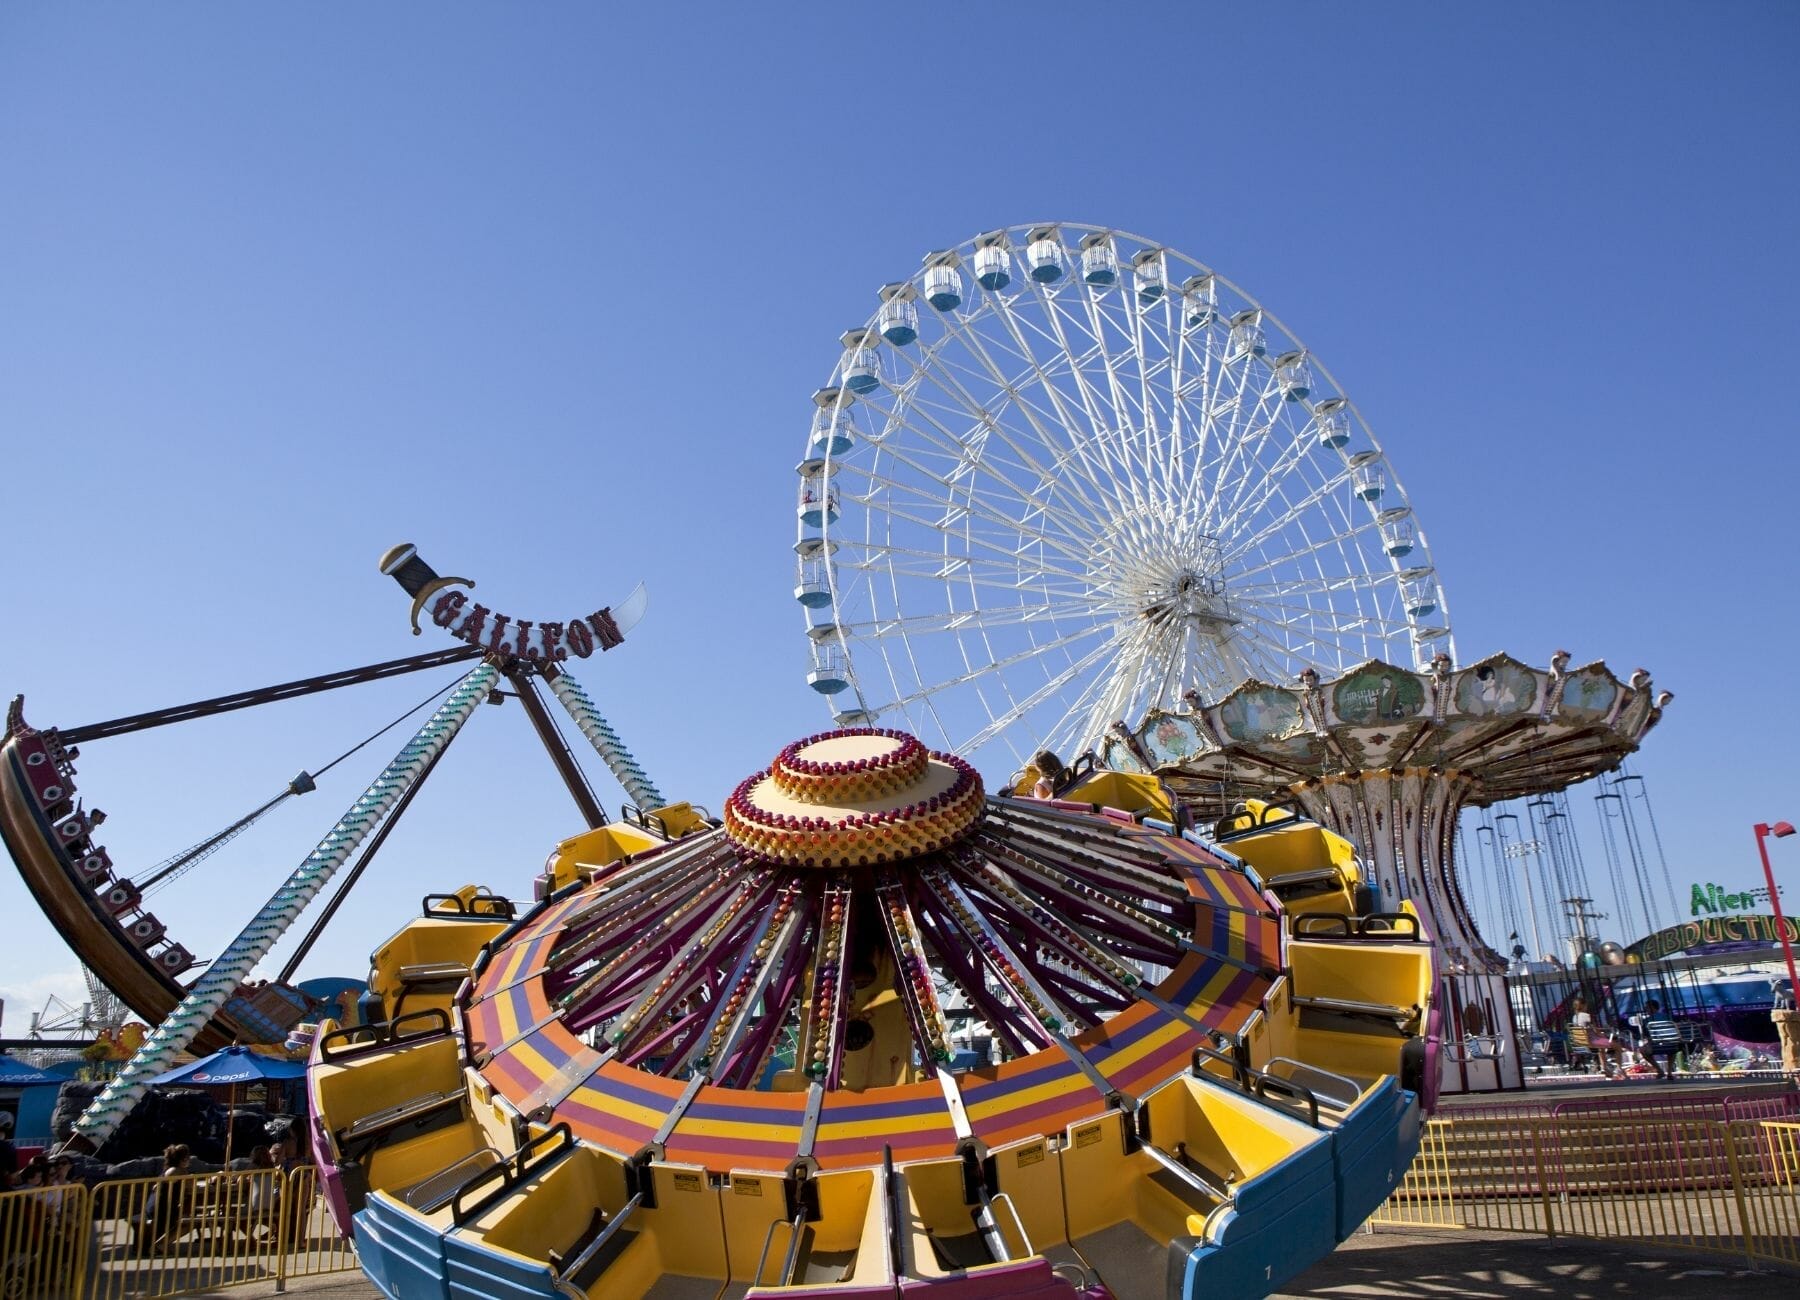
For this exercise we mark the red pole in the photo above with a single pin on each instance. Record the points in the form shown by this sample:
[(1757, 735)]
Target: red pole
[(1762, 847)]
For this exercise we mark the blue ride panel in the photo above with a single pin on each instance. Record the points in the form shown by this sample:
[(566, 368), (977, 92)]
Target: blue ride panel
[(1282, 1221), (371, 1253), (1372, 1149), (1258, 1253), (402, 1253), (476, 1272)]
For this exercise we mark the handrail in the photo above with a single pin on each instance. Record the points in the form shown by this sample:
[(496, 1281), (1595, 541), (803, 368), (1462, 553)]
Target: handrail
[(1250, 1081), (1083, 767), (644, 821), (1084, 1278), (573, 1267), (1472, 1047), (1222, 1195), (1355, 1088), (1018, 1223), (1357, 929), (793, 1225), (499, 908), (1267, 1082), (364, 1039), (891, 1208), (1260, 821), (511, 1171)]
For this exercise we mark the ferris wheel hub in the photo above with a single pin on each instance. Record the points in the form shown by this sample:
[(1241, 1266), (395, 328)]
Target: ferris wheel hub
[(853, 798)]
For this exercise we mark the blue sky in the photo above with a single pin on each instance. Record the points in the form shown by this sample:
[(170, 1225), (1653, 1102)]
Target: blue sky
[(545, 289)]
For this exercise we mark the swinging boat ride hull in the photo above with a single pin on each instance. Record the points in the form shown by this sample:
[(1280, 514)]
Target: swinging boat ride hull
[(49, 839)]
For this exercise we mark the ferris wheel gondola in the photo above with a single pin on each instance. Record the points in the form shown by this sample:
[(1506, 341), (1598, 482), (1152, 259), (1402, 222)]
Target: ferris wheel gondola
[(1066, 475)]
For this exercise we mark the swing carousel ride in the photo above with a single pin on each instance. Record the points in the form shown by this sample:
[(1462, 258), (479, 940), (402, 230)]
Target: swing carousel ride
[(881, 1029)]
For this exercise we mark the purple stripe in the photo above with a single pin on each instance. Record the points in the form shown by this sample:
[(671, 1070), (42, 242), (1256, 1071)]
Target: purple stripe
[(1173, 1053), (1056, 1067), (766, 1115), (1065, 1108), (849, 1112), (552, 1051), (613, 1087), (1111, 1045), (781, 1149)]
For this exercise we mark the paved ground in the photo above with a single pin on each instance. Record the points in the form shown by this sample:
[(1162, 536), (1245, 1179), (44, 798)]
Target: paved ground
[(1409, 1265)]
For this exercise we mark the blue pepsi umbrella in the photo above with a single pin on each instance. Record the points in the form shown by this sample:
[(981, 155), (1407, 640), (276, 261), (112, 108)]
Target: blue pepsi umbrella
[(14, 1073), (232, 1065)]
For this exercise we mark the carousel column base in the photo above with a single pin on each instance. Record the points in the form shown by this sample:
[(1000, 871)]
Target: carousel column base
[(1787, 1027), (1484, 1059)]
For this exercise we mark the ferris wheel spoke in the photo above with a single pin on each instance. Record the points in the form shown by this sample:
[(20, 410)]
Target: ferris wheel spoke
[(1319, 493), (1043, 426), (1289, 458), (1323, 582), (963, 459), (958, 620), (1003, 558), (1196, 410), (1120, 424), (998, 666), (1329, 624), (1327, 645), (1272, 502), (1251, 429), (895, 496), (1041, 695), (989, 420), (1097, 424)]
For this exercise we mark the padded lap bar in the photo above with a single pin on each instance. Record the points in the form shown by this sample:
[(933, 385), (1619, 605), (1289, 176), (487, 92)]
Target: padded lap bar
[(434, 1193), (1347, 1007), (434, 972), (382, 1122)]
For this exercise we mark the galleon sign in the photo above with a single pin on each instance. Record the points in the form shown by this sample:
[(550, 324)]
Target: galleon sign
[(534, 640)]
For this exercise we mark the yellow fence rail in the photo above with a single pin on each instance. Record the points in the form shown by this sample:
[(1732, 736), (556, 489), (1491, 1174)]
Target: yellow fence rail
[(154, 1237), (1676, 1183), (43, 1242)]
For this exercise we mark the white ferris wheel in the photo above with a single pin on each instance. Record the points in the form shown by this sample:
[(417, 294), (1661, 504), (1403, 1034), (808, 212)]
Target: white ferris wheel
[(1064, 475)]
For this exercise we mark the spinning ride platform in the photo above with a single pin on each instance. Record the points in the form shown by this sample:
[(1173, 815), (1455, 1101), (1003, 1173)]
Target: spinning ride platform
[(1387, 758), (720, 1058)]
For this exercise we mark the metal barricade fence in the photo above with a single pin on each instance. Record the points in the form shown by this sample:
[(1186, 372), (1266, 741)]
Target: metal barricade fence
[(1772, 1211), (44, 1242), (190, 1232), (157, 1237), (1486, 1172), (313, 1243), (1673, 1183), (1676, 1183)]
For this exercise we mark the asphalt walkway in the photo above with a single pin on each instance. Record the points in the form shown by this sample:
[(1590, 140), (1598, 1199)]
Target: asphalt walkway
[(1404, 1264)]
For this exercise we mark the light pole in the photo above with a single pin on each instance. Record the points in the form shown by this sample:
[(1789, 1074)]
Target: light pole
[(1780, 830)]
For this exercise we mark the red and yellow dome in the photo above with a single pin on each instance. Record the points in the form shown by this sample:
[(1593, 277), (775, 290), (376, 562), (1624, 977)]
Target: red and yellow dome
[(854, 798)]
